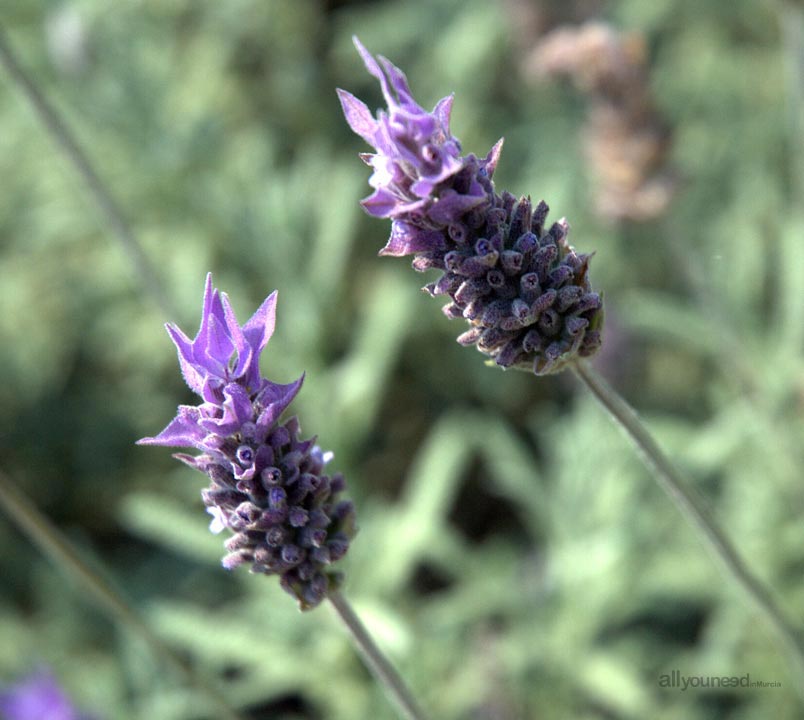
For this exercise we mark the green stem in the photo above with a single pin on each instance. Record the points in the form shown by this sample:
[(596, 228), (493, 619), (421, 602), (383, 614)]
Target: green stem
[(52, 543), (61, 134), (376, 662), (791, 26), (695, 511)]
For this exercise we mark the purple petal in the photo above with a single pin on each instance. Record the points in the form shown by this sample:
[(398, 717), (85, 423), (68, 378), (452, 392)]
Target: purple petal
[(237, 404), (383, 142), (215, 347), (196, 462), (258, 331), (448, 167), (399, 82), (407, 239), (183, 430), (374, 69), (412, 121), (423, 188), (276, 397), (452, 205), (442, 111), (192, 377), (490, 162), (211, 392), (212, 309), (358, 116), (386, 172), (39, 697), (237, 409), (238, 339), (381, 203)]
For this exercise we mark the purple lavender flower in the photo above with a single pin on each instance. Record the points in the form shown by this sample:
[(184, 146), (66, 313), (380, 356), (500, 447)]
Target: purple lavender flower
[(522, 287), (268, 487), (37, 697)]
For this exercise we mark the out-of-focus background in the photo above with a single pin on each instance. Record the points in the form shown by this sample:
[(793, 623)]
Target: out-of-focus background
[(515, 559)]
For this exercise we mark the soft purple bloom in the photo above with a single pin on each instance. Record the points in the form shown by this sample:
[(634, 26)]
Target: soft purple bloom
[(268, 486), (415, 154), (38, 697), (222, 365), (519, 283)]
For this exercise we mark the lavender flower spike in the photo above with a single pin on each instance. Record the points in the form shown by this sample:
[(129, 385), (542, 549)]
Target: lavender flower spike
[(521, 286), (38, 697), (267, 486)]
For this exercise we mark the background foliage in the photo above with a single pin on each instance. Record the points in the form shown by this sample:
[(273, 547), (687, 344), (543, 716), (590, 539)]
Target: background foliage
[(514, 557)]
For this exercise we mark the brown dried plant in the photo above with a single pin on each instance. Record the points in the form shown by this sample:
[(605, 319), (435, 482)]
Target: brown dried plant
[(626, 141)]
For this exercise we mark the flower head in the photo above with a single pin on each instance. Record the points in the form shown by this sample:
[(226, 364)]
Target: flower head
[(268, 487), (521, 286), (223, 351), (416, 153), (37, 697)]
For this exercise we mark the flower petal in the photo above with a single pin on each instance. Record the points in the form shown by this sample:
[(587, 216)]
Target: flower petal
[(275, 398), (407, 239), (358, 116), (215, 347), (442, 111), (381, 203), (452, 205), (258, 331), (237, 338), (490, 162), (374, 69), (192, 376), (182, 431), (399, 82), (237, 409)]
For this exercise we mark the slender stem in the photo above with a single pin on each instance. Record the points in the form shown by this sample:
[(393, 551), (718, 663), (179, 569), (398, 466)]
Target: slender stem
[(52, 543), (791, 25), (61, 134), (695, 511), (376, 662)]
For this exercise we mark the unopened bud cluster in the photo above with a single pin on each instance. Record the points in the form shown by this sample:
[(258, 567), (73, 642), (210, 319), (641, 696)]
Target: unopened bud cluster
[(274, 495), (524, 290)]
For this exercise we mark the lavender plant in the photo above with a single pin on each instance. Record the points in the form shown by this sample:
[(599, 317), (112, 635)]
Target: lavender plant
[(267, 486), (523, 288), (525, 291), (37, 697)]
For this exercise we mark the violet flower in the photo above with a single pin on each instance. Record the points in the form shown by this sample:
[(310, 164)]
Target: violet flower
[(37, 697), (268, 487), (523, 288)]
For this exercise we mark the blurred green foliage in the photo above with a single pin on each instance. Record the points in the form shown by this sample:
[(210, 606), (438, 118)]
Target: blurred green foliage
[(514, 559)]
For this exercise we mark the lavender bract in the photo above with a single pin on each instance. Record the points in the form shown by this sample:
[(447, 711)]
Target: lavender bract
[(522, 287), (268, 487), (37, 697)]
